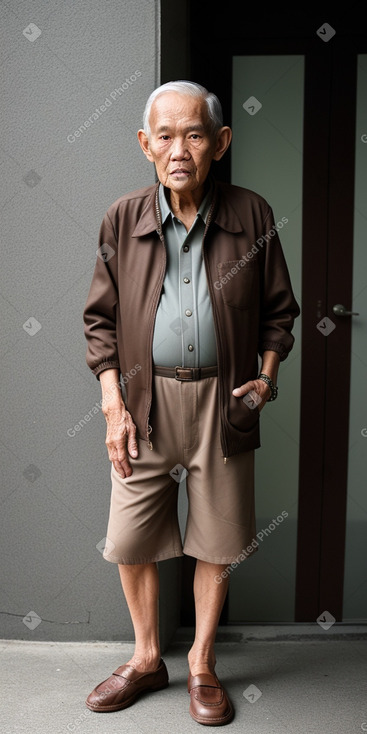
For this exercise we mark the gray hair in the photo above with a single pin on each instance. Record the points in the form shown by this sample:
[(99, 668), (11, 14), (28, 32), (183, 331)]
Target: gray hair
[(194, 90)]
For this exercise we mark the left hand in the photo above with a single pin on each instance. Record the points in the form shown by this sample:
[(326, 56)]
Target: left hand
[(259, 386)]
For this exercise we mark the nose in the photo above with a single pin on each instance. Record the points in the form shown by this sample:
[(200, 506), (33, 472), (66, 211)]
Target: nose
[(179, 150)]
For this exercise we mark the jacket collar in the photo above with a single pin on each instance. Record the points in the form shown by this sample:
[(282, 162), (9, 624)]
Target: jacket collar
[(221, 212)]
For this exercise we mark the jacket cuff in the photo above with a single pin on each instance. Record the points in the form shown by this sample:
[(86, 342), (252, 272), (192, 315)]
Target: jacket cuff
[(114, 364), (275, 347)]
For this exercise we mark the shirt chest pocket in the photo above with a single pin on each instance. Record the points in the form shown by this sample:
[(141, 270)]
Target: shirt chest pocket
[(237, 283)]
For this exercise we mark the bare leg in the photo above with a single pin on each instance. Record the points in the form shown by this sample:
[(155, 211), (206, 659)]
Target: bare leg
[(209, 599), (140, 583)]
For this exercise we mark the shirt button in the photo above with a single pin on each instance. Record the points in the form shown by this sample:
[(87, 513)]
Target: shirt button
[(186, 280), (188, 312), (190, 348), (185, 248)]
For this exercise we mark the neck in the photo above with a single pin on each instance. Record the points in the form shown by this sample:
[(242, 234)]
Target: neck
[(188, 201)]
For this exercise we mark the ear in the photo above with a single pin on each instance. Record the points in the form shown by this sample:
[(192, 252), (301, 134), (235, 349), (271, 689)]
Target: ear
[(224, 137), (144, 144)]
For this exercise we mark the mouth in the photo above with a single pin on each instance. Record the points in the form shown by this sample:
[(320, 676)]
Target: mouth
[(180, 172)]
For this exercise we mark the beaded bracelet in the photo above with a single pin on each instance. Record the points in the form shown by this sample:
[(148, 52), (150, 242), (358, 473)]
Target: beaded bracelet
[(269, 382)]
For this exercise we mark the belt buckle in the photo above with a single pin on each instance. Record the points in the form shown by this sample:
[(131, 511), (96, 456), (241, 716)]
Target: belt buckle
[(184, 379)]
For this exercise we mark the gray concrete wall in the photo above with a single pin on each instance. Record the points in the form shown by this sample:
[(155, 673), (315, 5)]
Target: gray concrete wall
[(65, 65)]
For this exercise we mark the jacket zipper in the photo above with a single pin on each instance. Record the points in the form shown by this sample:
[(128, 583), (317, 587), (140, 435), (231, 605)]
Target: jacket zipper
[(220, 361), (160, 233), (149, 430)]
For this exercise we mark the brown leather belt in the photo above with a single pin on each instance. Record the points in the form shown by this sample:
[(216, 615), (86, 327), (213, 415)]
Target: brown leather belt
[(186, 374)]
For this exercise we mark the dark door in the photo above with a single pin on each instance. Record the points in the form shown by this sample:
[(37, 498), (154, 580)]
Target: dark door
[(288, 85)]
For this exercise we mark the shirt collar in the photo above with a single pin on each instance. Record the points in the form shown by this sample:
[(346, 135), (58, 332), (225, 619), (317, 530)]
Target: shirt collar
[(166, 209), (223, 213)]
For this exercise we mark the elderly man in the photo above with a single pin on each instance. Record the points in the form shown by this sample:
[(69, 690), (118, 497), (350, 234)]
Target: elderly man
[(190, 293)]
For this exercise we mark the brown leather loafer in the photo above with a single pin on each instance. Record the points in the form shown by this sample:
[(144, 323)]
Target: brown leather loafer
[(209, 703), (124, 686)]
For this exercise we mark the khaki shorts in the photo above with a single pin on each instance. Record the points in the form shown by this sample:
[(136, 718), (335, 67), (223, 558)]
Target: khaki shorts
[(143, 525)]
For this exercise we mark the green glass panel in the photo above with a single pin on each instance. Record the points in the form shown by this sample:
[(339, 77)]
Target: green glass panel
[(355, 576), (266, 156)]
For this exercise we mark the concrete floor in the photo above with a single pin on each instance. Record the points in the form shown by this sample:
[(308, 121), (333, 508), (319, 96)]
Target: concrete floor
[(299, 679)]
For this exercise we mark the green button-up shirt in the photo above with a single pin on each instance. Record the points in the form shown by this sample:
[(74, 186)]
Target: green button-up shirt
[(184, 329)]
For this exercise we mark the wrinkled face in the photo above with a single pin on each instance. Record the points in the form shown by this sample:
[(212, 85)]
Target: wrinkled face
[(180, 142)]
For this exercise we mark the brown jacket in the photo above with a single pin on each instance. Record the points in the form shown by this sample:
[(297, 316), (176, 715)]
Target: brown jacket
[(252, 300)]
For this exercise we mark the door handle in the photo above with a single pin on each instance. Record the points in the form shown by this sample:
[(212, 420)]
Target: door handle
[(340, 310)]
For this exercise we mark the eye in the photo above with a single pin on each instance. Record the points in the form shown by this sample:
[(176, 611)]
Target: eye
[(164, 137), (195, 136)]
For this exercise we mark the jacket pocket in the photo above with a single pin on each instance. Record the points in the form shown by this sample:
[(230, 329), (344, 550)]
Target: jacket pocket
[(241, 417), (237, 283)]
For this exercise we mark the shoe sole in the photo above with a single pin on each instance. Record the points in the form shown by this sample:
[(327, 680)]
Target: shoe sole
[(207, 722)]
